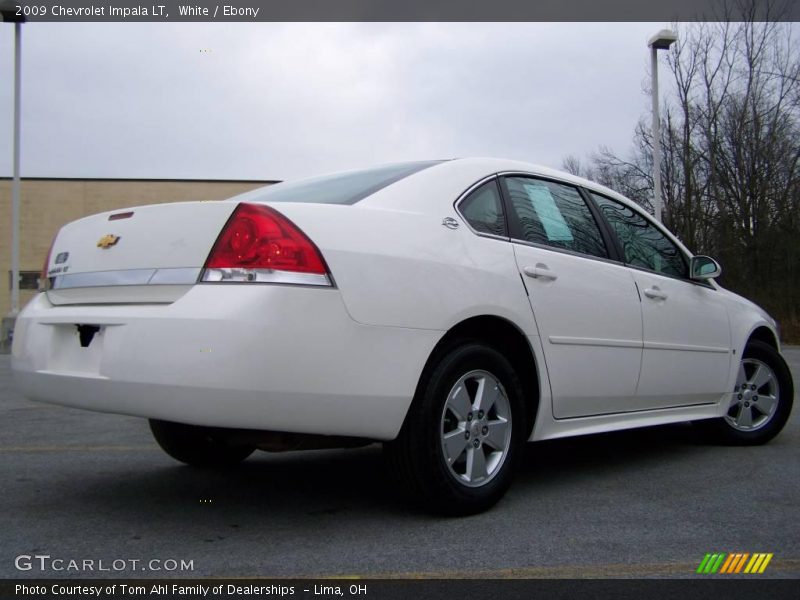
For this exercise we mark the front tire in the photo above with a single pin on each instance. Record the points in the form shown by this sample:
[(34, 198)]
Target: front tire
[(197, 446), (457, 449), (761, 400)]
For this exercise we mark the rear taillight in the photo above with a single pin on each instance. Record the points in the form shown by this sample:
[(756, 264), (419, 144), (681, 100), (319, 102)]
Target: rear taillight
[(44, 280), (259, 244)]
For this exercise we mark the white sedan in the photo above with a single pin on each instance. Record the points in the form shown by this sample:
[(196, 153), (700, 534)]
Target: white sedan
[(449, 309)]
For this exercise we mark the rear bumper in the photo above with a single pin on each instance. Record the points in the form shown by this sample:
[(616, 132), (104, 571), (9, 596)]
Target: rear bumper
[(272, 357)]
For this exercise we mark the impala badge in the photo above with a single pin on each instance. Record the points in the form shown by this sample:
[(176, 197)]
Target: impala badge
[(450, 223), (107, 241)]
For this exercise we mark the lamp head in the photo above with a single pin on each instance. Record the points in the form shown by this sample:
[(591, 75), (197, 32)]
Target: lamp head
[(8, 12), (663, 39)]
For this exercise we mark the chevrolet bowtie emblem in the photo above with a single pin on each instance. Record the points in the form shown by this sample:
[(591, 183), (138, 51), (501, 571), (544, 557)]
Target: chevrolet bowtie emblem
[(107, 241)]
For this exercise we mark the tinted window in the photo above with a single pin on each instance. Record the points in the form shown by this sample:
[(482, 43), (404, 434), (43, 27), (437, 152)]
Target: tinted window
[(339, 188), (483, 209), (554, 214), (643, 245)]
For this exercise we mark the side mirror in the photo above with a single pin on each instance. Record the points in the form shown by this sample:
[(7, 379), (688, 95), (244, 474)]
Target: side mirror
[(704, 267)]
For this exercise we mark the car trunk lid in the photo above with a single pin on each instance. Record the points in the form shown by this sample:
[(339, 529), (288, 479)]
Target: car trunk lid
[(151, 253)]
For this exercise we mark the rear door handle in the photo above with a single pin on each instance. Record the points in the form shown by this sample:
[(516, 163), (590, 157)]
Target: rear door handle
[(655, 293), (540, 271)]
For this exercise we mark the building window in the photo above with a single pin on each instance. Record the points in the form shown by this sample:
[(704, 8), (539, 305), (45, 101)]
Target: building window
[(28, 280)]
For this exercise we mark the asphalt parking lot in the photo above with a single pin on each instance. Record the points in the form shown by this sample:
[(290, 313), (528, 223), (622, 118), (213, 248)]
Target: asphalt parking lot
[(647, 503)]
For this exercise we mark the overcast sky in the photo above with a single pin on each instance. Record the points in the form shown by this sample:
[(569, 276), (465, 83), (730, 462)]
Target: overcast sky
[(281, 101)]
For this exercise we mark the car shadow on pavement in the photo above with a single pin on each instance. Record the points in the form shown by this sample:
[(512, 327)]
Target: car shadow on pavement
[(335, 482), (555, 460)]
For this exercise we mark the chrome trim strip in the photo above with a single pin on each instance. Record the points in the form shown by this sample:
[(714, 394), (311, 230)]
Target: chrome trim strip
[(684, 347), (616, 197), (177, 276), (264, 276), (576, 341), (547, 248), (123, 277), (183, 276)]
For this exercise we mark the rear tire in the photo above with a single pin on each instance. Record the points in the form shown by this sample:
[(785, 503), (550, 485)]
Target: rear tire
[(197, 446), (457, 450), (760, 403)]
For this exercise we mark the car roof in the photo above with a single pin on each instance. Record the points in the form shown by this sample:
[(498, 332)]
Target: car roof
[(449, 179)]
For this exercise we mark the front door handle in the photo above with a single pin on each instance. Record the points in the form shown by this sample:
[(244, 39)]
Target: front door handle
[(655, 293), (540, 271)]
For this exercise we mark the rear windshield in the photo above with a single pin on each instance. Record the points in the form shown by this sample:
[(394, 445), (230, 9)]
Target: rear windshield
[(339, 188)]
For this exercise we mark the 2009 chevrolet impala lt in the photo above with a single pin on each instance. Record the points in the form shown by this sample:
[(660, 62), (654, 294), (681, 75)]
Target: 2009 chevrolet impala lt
[(449, 309)]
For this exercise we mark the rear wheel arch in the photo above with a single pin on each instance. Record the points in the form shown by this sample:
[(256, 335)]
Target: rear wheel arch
[(505, 337)]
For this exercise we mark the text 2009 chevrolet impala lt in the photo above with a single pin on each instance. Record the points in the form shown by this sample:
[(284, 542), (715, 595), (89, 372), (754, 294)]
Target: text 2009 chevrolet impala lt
[(450, 309)]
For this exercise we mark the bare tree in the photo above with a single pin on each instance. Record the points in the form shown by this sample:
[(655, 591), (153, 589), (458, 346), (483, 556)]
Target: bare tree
[(572, 164), (731, 153)]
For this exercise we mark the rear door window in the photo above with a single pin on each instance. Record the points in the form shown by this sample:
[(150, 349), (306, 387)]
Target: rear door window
[(552, 214)]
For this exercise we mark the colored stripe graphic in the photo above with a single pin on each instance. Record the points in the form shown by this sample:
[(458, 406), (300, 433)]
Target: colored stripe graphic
[(718, 562), (730, 564), (766, 562), (754, 563), (703, 563), (739, 566), (737, 562), (711, 563), (727, 564)]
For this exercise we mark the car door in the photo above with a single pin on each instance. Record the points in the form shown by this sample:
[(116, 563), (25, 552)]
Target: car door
[(585, 304), (686, 335)]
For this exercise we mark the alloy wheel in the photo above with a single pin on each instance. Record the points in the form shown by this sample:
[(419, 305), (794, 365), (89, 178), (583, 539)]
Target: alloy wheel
[(755, 396), (476, 428)]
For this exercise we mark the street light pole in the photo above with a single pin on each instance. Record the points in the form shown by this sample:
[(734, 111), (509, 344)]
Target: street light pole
[(660, 41), (15, 190)]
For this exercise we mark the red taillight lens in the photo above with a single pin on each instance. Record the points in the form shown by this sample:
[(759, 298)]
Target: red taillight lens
[(257, 237)]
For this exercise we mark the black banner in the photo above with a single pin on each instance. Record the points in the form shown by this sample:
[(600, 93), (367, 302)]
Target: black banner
[(394, 10), (733, 588)]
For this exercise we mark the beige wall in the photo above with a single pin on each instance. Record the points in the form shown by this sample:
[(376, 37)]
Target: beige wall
[(48, 204)]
